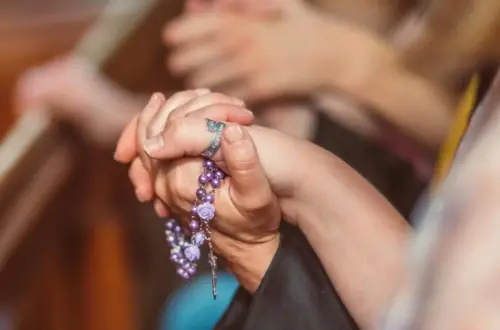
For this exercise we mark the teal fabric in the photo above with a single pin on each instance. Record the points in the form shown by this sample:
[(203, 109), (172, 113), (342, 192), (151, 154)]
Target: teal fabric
[(193, 308)]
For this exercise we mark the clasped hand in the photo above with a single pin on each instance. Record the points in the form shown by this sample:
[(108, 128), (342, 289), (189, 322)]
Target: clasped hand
[(163, 145)]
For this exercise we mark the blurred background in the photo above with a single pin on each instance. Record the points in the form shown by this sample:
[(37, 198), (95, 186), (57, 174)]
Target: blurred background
[(77, 250)]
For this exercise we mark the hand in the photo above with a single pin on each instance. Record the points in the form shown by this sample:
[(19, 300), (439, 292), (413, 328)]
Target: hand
[(72, 90), (246, 229), (258, 7), (332, 204), (179, 127), (151, 122), (246, 195), (249, 58)]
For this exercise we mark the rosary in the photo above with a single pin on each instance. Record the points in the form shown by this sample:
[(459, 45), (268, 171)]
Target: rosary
[(185, 244)]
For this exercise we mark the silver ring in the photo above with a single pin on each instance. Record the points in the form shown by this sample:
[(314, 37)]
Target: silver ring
[(216, 127)]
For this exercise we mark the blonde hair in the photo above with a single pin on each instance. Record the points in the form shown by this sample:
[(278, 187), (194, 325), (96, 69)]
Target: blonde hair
[(448, 38)]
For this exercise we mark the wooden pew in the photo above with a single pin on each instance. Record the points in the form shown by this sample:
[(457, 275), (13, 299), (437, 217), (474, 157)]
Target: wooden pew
[(74, 253)]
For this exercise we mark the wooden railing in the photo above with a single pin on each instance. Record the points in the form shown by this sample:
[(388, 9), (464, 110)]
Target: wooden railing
[(69, 228)]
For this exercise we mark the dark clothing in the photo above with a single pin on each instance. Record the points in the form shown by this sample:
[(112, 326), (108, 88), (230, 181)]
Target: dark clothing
[(392, 176), (295, 294)]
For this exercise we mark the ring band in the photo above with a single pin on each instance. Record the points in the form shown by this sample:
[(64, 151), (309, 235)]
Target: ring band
[(216, 128)]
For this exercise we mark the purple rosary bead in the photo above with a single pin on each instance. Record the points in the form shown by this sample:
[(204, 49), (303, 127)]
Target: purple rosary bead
[(185, 250), (208, 199), (194, 225), (171, 239), (200, 193), (183, 273), (194, 210), (174, 258), (170, 224), (208, 164), (203, 179), (219, 174), (191, 270), (215, 182)]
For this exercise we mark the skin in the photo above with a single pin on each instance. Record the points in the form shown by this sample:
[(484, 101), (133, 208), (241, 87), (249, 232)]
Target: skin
[(308, 193), (96, 106), (256, 59)]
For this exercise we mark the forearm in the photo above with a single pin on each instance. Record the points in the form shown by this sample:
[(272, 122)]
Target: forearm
[(380, 15), (349, 113), (372, 73), (358, 236)]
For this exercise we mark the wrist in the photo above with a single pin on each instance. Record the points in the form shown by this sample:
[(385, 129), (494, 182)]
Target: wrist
[(358, 59), (250, 262)]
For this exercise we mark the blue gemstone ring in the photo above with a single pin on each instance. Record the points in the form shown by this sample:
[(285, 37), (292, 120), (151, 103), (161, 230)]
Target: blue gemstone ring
[(216, 128)]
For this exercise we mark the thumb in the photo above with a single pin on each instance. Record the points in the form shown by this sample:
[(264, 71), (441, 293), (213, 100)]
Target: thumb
[(250, 190)]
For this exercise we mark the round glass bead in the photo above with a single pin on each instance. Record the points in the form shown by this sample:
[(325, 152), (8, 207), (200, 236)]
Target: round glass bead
[(194, 210), (170, 224), (215, 182), (183, 273), (208, 164), (174, 258), (203, 179), (194, 225), (208, 199), (200, 193)]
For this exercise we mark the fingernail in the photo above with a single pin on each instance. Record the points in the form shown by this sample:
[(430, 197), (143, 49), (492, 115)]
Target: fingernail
[(153, 144), (140, 195), (155, 99), (238, 102), (233, 134), (248, 111), (202, 91)]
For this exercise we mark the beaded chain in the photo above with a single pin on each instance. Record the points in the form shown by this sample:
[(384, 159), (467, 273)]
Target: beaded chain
[(185, 244)]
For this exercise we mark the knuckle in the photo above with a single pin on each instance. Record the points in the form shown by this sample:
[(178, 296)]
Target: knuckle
[(151, 130), (182, 97), (174, 114), (181, 180), (174, 126), (162, 189), (256, 203), (215, 98), (246, 160)]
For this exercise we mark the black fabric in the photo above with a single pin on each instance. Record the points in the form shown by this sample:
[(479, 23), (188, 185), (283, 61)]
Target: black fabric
[(392, 176), (294, 294)]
